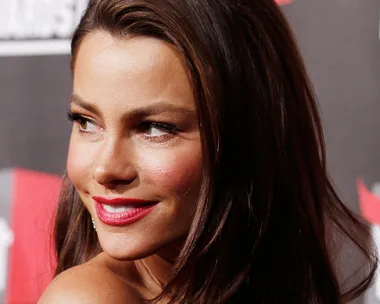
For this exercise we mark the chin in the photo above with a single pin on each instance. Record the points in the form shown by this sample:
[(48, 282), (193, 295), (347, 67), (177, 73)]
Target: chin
[(124, 255), (125, 246), (122, 248)]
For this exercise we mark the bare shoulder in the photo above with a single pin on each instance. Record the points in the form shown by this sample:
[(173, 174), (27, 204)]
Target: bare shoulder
[(89, 284)]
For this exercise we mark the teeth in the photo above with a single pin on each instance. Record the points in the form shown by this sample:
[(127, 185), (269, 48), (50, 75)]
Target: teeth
[(118, 209)]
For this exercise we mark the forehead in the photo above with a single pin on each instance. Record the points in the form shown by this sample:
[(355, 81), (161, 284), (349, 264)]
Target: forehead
[(101, 50), (140, 66)]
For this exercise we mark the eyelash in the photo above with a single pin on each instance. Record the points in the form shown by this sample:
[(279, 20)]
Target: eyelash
[(159, 125), (170, 129), (76, 117)]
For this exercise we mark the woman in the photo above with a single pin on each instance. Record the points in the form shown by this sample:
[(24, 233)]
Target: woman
[(196, 169)]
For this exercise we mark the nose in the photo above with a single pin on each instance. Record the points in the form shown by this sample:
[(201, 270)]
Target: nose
[(114, 164)]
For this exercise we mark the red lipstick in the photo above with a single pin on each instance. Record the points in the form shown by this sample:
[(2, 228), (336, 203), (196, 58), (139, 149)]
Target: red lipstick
[(122, 211)]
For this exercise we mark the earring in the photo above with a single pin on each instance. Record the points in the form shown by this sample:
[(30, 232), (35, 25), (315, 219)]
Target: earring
[(93, 223)]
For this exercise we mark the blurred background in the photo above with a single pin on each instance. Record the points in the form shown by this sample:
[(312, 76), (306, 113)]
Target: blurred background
[(339, 40)]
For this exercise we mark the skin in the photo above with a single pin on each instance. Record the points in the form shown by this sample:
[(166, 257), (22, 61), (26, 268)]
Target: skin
[(122, 88)]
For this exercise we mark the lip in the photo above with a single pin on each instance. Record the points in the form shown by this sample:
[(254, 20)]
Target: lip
[(120, 201), (140, 209)]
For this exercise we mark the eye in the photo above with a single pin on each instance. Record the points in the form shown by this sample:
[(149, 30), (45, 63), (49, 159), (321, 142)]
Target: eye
[(156, 129), (85, 124)]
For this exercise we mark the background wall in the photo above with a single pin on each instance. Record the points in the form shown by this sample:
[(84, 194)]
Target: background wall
[(340, 43), (338, 38)]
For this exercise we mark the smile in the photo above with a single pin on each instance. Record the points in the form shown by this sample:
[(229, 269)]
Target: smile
[(122, 211)]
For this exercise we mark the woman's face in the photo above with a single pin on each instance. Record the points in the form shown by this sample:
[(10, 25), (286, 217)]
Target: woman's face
[(135, 151)]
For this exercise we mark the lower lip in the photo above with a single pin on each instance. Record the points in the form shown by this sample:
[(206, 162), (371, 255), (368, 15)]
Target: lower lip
[(122, 218)]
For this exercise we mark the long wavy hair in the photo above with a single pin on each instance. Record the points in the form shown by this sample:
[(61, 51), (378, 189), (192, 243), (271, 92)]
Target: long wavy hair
[(268, 217)]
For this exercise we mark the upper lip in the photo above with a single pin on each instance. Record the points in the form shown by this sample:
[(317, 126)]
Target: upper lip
[(120, 200)]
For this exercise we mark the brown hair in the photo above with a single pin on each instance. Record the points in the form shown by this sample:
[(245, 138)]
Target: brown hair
[(262, 230)]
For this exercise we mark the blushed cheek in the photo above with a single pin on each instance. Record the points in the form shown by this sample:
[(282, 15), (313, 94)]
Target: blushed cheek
[(174, 172)]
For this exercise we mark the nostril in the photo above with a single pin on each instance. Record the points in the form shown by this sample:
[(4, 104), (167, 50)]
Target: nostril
[(121, 182), (111, 175)]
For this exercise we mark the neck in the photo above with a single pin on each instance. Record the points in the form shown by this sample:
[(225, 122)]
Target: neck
[(155, 269)]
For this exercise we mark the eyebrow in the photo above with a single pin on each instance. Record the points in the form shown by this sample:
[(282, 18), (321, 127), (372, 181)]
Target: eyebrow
[(149, 110), (75, 99)]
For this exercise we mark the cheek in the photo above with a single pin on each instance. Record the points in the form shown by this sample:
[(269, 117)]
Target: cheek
[(78, 164), (173, 171)]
